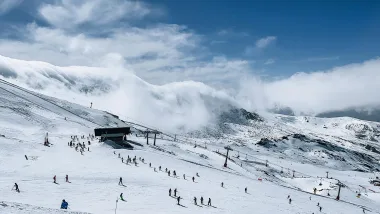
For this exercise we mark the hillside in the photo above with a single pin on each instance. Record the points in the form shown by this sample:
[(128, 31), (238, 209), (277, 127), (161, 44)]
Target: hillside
[(27, 116)]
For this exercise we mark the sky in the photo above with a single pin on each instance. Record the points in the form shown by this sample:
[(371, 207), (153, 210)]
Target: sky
[(311, 56)]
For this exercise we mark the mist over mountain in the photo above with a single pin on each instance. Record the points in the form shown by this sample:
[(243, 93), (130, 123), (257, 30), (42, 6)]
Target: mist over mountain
[(186, 105)]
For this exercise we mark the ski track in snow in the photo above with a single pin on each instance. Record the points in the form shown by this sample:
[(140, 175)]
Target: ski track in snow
[(94, 176)]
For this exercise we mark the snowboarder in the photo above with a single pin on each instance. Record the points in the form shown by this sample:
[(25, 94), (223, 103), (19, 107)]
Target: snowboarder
[(178, 199), (121, 181), (54, 179), (195, 200), (222, 184), (64, 204), (121, 197), (209, 202), (175, 192), (202, 200), (193, 179), (245, 190), (170, 192), (67, 178), (16, 187)]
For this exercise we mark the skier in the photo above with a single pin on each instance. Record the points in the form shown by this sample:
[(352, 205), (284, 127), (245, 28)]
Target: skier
[(178, 199), (169, 173), (175, 192), (320, 209), (159, 168), (88, 149), (26, 157), (193, 179), (195, 200), (290, 200), (122, 160), (170, 192), (209, 202), (114, 152), (288, 196), (150, 164), (121, 197), (245, 190), (67, 178), (16, 187), (184, 177), (121, 181), (174, 173), (54, 179), (64, 204), (197, 174), (202, 200), (222, 184), (119, 155), (155, 169), (166, 169)]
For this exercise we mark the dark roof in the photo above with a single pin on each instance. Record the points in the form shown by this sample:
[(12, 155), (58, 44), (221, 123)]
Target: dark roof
[(118, 130)]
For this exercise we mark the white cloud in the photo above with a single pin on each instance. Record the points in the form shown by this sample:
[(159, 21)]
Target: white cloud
[(269, 62), (7, 5), (265, 42), (353, 85), (70, 13)]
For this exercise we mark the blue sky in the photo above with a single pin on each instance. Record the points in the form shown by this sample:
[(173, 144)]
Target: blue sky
[(311, 35), (271, 39)]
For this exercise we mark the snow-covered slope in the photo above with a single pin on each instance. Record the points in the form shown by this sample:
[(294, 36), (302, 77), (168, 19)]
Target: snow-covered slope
[(26, 117)]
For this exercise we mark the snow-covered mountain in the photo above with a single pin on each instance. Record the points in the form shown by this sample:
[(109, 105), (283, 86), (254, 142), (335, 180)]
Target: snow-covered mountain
[(273, 156)]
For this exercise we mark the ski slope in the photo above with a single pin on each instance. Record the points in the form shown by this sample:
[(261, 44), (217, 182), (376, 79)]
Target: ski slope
[(27, 117)]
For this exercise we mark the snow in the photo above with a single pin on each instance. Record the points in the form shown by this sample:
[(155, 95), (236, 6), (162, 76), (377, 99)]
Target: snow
[(27, 117)]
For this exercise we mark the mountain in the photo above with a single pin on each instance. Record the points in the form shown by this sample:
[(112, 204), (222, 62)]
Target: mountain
[(272, 155), (370, 114)]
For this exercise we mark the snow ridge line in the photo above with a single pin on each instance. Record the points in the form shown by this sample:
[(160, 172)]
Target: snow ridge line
[(36, 95)]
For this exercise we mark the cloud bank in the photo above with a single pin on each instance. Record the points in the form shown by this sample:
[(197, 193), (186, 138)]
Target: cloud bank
[(350, 86)]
